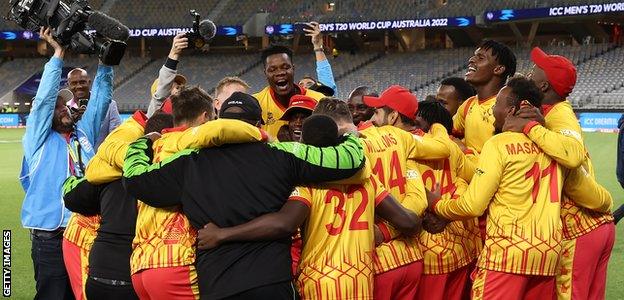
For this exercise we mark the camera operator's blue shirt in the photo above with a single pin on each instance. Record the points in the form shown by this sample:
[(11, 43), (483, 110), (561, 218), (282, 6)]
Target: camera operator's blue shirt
[(49, 156)]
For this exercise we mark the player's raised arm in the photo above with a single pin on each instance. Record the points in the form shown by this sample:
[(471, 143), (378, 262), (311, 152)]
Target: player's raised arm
[(158, 185)]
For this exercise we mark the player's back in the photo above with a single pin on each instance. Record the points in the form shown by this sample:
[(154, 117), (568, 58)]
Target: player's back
[(524, 226), (338, 240)]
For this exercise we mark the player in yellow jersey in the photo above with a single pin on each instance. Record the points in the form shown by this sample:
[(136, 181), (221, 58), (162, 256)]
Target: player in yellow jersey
[(522, 187), (337, 223), (163, 248), (274, 99), (398, 262), (588, 236), (448, 255), (488, 69)]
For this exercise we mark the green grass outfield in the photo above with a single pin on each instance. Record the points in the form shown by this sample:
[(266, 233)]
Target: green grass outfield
[(602, 147)]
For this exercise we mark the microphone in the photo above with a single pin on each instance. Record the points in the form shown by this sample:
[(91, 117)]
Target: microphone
[(109, 27), (207, 29)]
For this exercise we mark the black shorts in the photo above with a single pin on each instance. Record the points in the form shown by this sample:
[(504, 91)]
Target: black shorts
[(278, 291)]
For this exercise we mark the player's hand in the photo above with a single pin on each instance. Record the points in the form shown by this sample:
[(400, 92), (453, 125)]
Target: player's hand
[(459, 143), (209, 237), (153, 136), (433, 224), (46, 34), (180, 42), (531, 113), (379, 238), (514, 124), (314, 31), (433, 196), (77, 113)]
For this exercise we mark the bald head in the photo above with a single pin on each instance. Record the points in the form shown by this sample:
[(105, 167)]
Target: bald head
[(79, 83)]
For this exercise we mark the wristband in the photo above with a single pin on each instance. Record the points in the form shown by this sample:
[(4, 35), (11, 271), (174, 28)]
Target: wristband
[(319, 49)]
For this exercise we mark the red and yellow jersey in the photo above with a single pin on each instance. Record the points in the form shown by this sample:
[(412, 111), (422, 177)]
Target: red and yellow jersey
[(521, 188), (387, 149), (272, 109), (104, 167), (338, 242), (164, 237), (474, 121), (460, 242), (562, 140)]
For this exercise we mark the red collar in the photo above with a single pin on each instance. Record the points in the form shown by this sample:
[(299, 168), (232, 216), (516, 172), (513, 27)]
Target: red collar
[(175, 129), (546, 108), (302, 91), (418, 132), (140, 117), (363, 125)]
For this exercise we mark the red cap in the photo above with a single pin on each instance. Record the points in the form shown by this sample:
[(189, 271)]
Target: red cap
[(560, 71), (397, 98), (299, 102)]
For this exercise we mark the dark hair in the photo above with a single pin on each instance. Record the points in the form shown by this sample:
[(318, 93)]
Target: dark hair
[(524, 89), (504, 56), (363, 91), (276, 50), (158, 121), (336, 109), (319, 131), (463, 89), (190, 103), (435, 112)]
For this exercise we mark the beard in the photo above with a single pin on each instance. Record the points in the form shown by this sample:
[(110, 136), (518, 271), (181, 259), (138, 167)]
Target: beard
[(63, 126)]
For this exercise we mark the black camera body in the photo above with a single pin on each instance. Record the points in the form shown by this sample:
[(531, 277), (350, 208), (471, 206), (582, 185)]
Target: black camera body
[(195, 40), (70, 23)]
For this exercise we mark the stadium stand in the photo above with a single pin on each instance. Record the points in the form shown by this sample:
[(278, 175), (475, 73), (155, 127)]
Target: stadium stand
[(14, 72)]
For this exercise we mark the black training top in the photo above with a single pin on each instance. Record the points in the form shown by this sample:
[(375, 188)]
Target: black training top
[(110, 254), (232, 185)]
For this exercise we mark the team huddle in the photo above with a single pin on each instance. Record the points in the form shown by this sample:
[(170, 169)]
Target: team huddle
[(484, 191)]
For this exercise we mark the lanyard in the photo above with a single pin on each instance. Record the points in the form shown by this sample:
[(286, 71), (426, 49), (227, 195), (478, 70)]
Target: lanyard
[(75, 156)]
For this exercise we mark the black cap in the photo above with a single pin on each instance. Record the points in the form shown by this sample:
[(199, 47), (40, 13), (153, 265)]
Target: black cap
[(320, 131), (323, 89), (247, 103)]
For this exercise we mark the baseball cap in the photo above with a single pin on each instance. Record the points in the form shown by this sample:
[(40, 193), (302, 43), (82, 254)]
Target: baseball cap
[(560, 71), (247, 103), (66, 95), (298, 102), (179, 79), (323, 89), (397, 98)]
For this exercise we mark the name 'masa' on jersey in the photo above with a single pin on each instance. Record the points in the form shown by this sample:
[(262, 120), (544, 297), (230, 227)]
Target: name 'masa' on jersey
[(387, 149), (338, 242), (562, 139), (521, 187), (273, 110), (474, 121), (460, 242), (102, 168), (164, 237)]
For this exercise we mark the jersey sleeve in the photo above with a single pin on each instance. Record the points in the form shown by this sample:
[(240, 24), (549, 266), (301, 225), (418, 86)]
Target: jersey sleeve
[(426, 148), (563, 144), (81, 196), (219, 132), (583, 189), (302, 194), (482, 188), (160, 184)]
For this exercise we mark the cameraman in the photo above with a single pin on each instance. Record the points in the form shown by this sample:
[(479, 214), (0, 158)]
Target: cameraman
[(169, 81), (56, 147)]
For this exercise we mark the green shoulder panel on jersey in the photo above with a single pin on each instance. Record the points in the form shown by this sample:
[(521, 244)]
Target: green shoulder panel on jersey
[(347, 155), (139, 158), (71, 183)]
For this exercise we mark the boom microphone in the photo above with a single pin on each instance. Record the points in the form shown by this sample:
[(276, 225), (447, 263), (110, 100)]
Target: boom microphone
[(109, 27), (207, 29)]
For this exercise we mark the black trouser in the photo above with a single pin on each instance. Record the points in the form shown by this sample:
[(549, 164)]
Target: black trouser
[(97, 290), (52, 281), (278, 291)]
